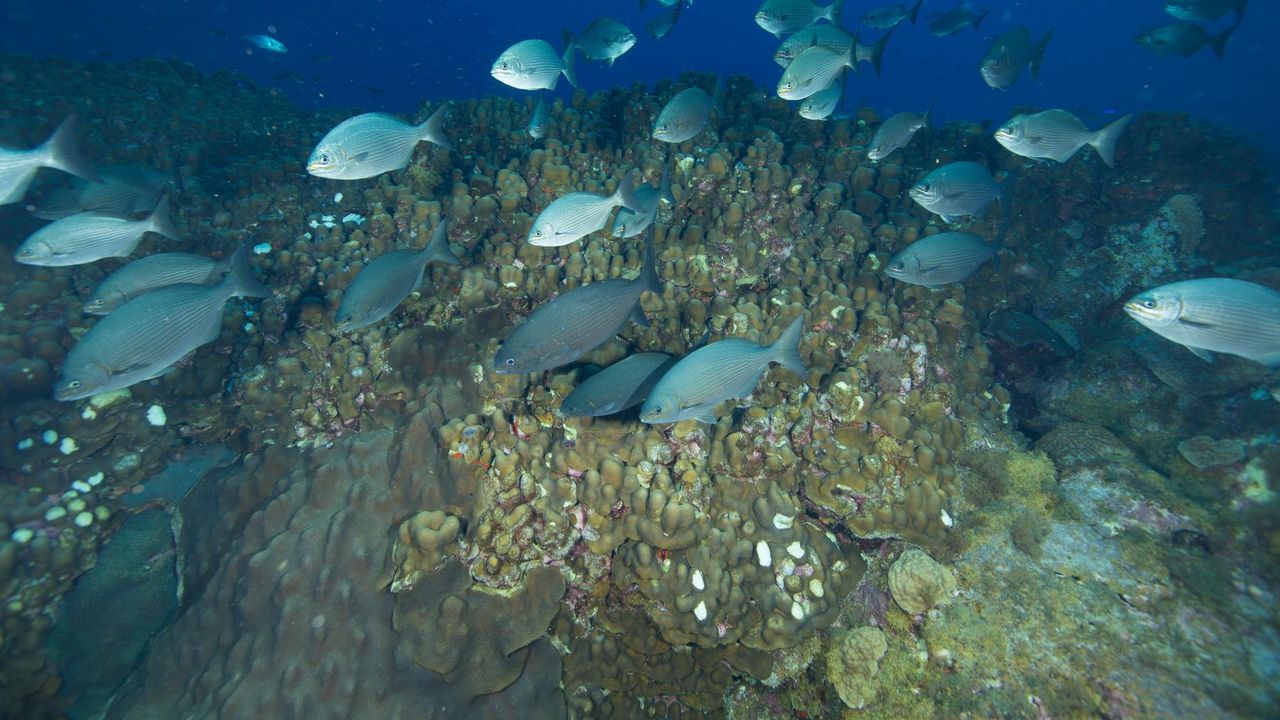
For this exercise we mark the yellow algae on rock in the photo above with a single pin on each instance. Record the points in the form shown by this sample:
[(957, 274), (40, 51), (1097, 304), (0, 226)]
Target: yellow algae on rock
[(919, 583)]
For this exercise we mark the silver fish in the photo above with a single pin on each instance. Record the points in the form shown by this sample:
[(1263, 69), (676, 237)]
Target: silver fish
[(895, 133), (18, 167), (539, 119), (1011, 52), (783, 17), (572, 325), (956, 190), (577, 215), (888, 16), (628, 223), (606, 39), (661, 25), (1205, 10), (955, 20), (717, 372), (268, 43), (820, 105), (829, 36), (534, 65), (368, 145), (388, 279), (685, 115), (151, 272), (86, 237), (940, 259), (811, 71), (144, 337), (618, 387), (1214, 315), (1184, 39), (1057, 135), (126, 189)]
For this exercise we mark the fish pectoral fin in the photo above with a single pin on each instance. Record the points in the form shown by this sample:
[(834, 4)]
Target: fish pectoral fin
[(1188, 322), (638, 317), (1201, 353), (360, 157), (706, 416)]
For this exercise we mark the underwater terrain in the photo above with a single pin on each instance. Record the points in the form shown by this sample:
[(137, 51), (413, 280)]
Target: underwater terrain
[(995, 498)]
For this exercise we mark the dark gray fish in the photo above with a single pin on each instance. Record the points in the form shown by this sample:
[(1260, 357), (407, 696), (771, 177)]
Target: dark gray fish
[(820, 105), (18, 167), (144, 337), (783, 17), (717, 372), (895, 133), (385, 282), (368, 145), (576, 215), (618, 387), (1205, 10), (86, 237), (1184, 39), (1010, 54), (829, 36), (956, 190), (955, 20), (940, 259), (685, 115), (151, 272), (1057, 135), (126, 189), (629, 223), (661, 25), (1214, 315), (564, 329), (539, 119), (606, 39), (534, 65), (888, 16)]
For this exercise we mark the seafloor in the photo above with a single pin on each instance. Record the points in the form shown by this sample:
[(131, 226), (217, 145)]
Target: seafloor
[(997, 499)]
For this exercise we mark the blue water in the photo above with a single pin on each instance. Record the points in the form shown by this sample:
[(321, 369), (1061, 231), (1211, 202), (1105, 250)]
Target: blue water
[(390, 55)]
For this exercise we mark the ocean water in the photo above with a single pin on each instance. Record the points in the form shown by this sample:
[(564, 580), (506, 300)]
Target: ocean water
[(981, 481)]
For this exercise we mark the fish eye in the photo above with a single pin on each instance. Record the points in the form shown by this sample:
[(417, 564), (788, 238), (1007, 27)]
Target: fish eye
[(502, 65), (1149, 304), (324, 158), (74, 384), (510, 362)]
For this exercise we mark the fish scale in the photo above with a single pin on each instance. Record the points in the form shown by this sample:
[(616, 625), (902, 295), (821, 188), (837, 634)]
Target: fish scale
[(152, 272)]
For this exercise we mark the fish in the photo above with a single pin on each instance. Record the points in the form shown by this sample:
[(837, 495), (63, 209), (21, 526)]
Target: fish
[(126, 189), (539, 120), (388, 279), (620, 386), (1010, 54), (820, 105), (895, 133), (18, 167), (1057, 135), (146, 336), (1214, 314), (368, 145), (628, 223), (606, 39), (783, 17), (1184, 39), (1205, 10), (955, 20), (564, 329), (266, 42), (720, 371), (577, 215), (661, 25), (151, 272), (829, 36), (940, 259), (870, 53), (888, 16), (534, 65), (685, 115), (956, 190), (811, 71), (89, 236)]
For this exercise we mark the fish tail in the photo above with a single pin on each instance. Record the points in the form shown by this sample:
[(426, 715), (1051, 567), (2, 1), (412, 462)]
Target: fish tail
[(786, 351), (1219, 41), (832, 12), (438, 249), (570, 47), (176, 172), (1037, 54), (851, 57), (977, 19), (61, 152), (664, 186), (1104, 141), (433, 129), (649, 272), (915, 11), (927, 112), (160, 220), (625, 195), (240, 281), (717, 94), (877, 50), (1240, 11)]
